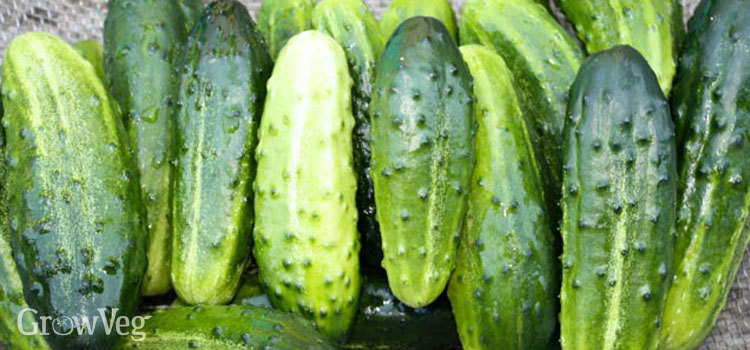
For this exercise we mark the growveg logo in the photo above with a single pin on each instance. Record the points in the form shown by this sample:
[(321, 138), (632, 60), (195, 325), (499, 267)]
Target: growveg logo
[(83, 324)]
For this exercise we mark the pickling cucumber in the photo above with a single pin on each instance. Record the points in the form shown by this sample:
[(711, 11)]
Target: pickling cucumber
[(279, 20), (220, 94), (142, 39), (423, 127), (620, 186), (650, 26), (354, 27), (224, 327), (400, 10), (93, 52), (306, 241), (712, 103), (504, 289), (544, 61), (77, 225)]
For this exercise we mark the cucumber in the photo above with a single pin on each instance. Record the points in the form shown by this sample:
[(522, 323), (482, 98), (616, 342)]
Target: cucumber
[(618, 205), (12, 302), (401, 10), (141, 42), (354, 27), (423, 147), (712, 103), (380, 314), (650, 26), (221, 88), (306, 241), (504, 289), (224, 327), (544, 61), (279, 20), (93, 52), (76, 219)]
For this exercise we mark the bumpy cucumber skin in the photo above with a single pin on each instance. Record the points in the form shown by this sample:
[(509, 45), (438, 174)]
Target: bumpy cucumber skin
[(544, 61), (142, 39), (354, 27), (226, 327), (12, 301), (650, 26), (504, 289), (712, 104), (223, 72), (401, 10), (618, 205), (306, 241), (93, 52), (423, 147), (75, 210), (280, 20)]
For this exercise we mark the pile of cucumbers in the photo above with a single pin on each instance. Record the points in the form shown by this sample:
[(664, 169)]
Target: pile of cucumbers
[(325, 180)]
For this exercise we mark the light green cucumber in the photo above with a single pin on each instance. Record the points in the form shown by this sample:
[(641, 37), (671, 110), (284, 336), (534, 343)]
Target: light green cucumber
[(401, 10), (306, 241), (93, 52)]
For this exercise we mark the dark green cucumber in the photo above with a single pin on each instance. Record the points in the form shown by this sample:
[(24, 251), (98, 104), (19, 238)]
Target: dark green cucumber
[(142, 39), (423, 146), (354, 27), (381, 316), (12, 302), (712, 103), (225, 327), (544, 61), (93, 52), (220, 94), (279, 20), (76, 220), (505, 286), (400, 10), (650, 26), (618, 205), (306, 241)]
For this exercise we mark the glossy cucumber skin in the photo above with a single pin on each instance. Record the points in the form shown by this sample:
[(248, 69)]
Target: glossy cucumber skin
[(306, 241), (354, 27), (505, 286), (93, 52), (544, 61), (76, 219), (650, 26), (380, 316), (620, 187), (423, 154), (400, 10), (712, 108), (223, 72), (12, 302), (222, 327), (280, 20), (142, 39)]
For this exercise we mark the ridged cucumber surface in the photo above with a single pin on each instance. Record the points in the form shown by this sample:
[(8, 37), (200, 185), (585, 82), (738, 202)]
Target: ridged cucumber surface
[(354, 27), (76, 219), (280, 20), (400, 10), (306, 240), (12, 302), (620, 186), (423, 126), (712, 107), (220, 94), (650, 26), (225, 327), (505, 286), (544, 60), (142, 39), (93, 52)]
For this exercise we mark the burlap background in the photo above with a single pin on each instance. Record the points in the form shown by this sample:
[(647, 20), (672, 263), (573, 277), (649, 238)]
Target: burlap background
[(81, 19)]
